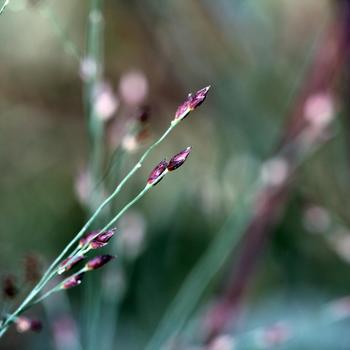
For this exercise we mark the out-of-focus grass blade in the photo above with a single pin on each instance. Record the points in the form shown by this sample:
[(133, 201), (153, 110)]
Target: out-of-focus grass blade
[(203, 273)]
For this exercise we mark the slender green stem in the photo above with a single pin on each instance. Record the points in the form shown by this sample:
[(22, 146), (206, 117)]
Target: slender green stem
[(94, 52), (116, 218), (57, 287), (1, 11), (131, 203), (51, 272), (47, 12)]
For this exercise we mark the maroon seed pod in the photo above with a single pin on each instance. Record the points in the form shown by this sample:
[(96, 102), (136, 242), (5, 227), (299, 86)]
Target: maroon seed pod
[(25, 324), (193, 101), (72, 281), (102, 239), (180, 158), (87, 238), (69, 262), (98, 261), (156, 174), (9, 287)]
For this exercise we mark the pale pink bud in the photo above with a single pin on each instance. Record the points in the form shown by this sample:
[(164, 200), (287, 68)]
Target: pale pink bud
[(156, 174), (72, 281), (25, 324), (133, 87), (193, 101), (177, 160)]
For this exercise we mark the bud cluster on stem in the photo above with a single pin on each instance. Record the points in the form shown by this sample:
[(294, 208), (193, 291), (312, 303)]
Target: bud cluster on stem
[(69, 258)]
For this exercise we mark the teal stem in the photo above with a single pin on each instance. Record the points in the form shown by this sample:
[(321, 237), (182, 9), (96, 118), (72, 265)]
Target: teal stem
[(2, 9), (94, 52), (47, 12), (51, 272)]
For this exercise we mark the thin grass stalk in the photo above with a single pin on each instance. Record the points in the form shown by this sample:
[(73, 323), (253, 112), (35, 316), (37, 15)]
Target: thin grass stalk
[(96, 131), (51, 272), (2, 9), (47, 12), (94, 53)]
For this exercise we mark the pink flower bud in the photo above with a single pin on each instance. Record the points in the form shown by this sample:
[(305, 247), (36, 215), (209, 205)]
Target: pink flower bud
[(192, 102), (69, 262), (102, 239), (156, 174), (98, 261), (72, 281), (24, 324), (97, 241), (87, 238), (179, 159)]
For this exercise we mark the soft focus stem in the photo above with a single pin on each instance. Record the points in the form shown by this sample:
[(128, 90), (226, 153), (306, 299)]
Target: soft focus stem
[(1, 11), (51, 271)]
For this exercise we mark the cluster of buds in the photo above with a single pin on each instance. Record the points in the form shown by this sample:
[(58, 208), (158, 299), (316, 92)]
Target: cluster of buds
[(164, 166), (93, 240), (192, 102), (93, 264)]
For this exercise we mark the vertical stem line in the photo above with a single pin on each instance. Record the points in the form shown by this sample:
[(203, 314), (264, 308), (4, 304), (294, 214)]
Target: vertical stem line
[(94, 53)]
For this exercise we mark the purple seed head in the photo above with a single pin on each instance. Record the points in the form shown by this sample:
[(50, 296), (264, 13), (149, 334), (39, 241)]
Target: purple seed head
[(102, 239), (179, 159), (72, 281), (98, 261), (69, 262), (156, 174), (192, 102), (87, 238)]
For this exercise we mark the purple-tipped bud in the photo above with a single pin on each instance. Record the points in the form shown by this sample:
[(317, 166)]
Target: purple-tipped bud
[(179, 159), (98, 261), (72, 281), (87, 238), (95, 239), (25, 324), (102, 239), (192, 102), (69, 262), (156, 174)]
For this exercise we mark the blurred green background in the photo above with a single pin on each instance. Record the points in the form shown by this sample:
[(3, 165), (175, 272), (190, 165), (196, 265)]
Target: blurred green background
[(255, 54)]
